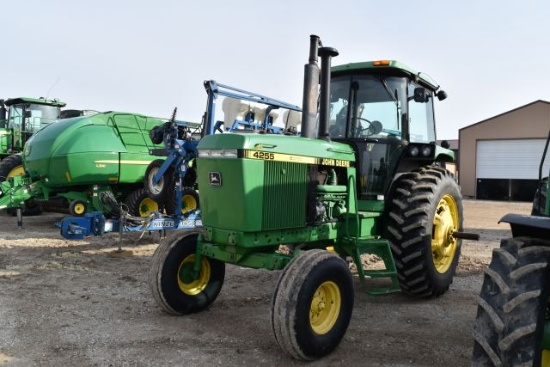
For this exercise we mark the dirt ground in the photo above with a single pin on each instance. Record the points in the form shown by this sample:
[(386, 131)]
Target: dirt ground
[(80, 303)]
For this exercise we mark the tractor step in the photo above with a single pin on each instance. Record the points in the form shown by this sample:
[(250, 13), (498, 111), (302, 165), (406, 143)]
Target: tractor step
[(380, 248)]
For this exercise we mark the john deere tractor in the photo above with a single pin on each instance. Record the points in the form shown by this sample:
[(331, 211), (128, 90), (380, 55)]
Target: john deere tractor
[(19, 119), (512, 327), (364, 177)]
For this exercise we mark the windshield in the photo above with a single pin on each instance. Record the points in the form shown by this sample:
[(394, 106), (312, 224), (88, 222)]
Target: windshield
[(377, 106), (36, 116), (372, 103)]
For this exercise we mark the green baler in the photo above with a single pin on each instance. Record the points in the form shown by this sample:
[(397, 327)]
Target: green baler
[(364, 177), (88, 163)]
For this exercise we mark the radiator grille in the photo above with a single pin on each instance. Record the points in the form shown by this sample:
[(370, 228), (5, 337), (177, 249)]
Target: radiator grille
[(285, 193)]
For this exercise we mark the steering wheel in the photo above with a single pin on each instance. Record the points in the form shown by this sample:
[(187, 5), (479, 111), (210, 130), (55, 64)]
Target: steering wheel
[(373, 127)]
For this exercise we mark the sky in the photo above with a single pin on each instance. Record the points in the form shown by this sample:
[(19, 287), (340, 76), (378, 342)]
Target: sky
[(490, 56)]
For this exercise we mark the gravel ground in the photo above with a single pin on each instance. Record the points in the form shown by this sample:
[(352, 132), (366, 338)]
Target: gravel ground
[(82, 303)]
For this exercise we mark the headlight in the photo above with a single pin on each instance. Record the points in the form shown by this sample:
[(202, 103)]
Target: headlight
[(217, 153), (426, 151), (414, 151)]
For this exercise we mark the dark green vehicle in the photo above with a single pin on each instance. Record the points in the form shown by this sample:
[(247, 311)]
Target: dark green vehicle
[(365, 178), (20, 118)]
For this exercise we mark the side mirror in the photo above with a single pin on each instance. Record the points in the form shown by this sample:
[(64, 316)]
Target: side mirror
[(27, 114), (421, 95)]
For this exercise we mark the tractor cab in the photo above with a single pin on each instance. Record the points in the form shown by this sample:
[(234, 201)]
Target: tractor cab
[(25, 116), (385, 111)]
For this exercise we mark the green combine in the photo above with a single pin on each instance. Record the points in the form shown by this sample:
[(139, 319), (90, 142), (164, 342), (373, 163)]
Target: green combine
[(364, 177)]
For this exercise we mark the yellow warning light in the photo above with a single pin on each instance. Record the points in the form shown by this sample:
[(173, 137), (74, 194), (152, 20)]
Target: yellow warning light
[(382, 63)]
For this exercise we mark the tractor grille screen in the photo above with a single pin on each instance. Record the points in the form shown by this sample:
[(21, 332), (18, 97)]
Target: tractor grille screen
[(285, 193)]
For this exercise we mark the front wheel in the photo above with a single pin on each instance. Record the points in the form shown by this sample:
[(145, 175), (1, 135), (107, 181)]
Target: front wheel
[(312, 305), (189, 201), (425, 210), (158, 191), (512, 327), (175, 286)]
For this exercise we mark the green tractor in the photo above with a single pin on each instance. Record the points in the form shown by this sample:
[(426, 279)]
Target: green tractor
[(20, 118), (512, 326), (366, 177)]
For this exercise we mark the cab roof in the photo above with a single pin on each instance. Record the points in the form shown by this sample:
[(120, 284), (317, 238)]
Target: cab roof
[(389, 66), (42, 101)]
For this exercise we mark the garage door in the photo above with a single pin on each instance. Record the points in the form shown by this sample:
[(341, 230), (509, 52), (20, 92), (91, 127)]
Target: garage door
[(511, 159)]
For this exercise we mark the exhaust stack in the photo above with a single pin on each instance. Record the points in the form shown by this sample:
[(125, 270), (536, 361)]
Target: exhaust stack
[(326, 53)]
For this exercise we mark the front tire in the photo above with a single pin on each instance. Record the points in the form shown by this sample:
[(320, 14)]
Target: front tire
[(312, 305), (160, 190), (425, 210), (171, 276), (513, 306)]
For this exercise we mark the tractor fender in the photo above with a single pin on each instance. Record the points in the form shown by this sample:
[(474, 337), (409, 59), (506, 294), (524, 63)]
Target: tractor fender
[(528, 225)]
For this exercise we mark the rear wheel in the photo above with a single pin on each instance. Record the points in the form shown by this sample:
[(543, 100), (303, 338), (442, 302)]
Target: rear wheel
[(425, 211), (513, 311), (173, 282), (189, 201), (312, 305), (139, 204), (11, 166)]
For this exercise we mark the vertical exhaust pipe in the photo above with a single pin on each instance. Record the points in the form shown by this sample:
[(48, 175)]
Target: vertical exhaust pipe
[(326, 53), (3, 114), (311, 90)]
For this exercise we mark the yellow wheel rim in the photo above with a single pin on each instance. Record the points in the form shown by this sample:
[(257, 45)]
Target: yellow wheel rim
[(79, 208), (545, 361), (187, 284), (325, 308), (17, 171), (188, 203), (445, 223), (147, 206)]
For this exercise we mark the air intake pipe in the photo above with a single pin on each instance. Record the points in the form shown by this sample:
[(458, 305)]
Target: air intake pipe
[(311, 90)]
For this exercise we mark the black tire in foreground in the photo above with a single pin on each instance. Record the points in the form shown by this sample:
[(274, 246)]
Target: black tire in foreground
[(513, 306), (425, 209), (171, 275), (312, 305)]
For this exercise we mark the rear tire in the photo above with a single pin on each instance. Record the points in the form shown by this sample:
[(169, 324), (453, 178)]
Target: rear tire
[(425, 209), (312, 305), (513, 303), (11, 166), (170, 276), (139, 204), (189, 201)]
